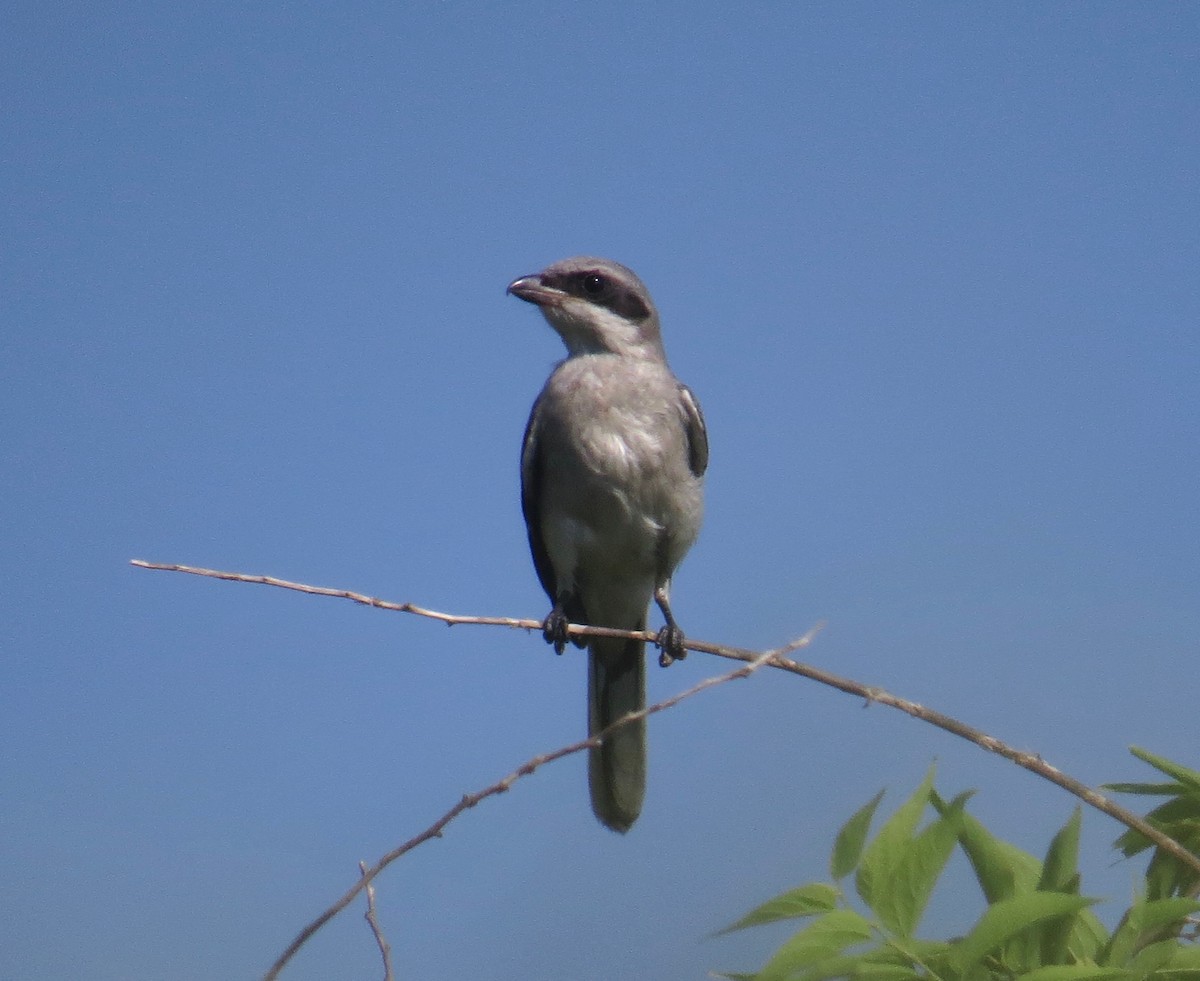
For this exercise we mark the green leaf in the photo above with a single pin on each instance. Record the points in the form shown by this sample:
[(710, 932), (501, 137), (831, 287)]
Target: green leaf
[(1165, 912), (881, 858), (849, 843), (816, 897), (1087, 937), (1140, 922), (859, 966), (921, 864), (1166, 876), (825, 937), (1178, 817), (1060, 873), (1002, 870), (929, 958), (1187, 958), (1184, 965), (1156, 956), (1005, 919), (1181, 773), (1075, 972), (886, 972), (836, 966), (1062, 858), (898, 870), (1146, 789)]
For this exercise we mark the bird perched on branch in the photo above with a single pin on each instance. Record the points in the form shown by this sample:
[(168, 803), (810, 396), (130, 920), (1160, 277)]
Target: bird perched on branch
[(611, 486)]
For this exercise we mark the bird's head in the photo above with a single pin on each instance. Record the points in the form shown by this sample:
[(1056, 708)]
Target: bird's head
[(595, 305)]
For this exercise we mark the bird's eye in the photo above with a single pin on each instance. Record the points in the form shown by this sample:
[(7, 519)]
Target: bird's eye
[(594, 284)]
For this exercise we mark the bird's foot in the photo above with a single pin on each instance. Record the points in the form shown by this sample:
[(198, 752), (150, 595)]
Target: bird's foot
[(670, 645), (554, 629)]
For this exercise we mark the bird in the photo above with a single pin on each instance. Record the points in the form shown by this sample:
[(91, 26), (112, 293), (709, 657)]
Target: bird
[(612, 471)]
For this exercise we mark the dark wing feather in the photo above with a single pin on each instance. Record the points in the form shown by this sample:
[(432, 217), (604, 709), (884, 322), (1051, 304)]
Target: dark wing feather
[(697, 434), (531, 487)]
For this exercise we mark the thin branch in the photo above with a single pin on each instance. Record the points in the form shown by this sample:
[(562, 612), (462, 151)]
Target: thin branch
[(1030, 761), (385, 949), (449, 619), (469, 801)]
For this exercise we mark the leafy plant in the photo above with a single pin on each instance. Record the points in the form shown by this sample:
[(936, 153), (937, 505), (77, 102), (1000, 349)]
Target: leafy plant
[(1036, 923)]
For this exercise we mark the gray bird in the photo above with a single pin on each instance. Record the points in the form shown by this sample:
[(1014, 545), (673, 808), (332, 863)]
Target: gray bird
[(611, 486)]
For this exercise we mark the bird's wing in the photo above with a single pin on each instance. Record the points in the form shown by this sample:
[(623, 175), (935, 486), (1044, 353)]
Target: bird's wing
[(697, 434), (531, 493)]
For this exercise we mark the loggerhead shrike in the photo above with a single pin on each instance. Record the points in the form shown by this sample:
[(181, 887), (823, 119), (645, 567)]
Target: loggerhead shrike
[(611, 485)]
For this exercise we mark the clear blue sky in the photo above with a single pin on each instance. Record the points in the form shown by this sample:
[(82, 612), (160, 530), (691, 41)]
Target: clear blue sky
[(933, 272)]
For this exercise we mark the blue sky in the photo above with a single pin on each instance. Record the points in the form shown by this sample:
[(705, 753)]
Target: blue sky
[(931, 270)]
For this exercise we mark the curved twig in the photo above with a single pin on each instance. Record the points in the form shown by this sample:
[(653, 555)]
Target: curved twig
[(1029, 761), (500, 786)]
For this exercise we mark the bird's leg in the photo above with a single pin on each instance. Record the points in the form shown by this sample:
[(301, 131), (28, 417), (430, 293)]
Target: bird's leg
[(670, 638), (554, 627)]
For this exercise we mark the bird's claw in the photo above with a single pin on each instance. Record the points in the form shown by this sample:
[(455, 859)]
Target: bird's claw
[(554, 630), (670, 645)]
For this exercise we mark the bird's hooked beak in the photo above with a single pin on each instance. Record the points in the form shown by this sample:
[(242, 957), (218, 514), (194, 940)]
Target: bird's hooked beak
[(531, 289)]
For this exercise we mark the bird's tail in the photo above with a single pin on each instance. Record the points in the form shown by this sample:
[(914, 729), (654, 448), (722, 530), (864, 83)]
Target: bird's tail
[(617, 768)]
